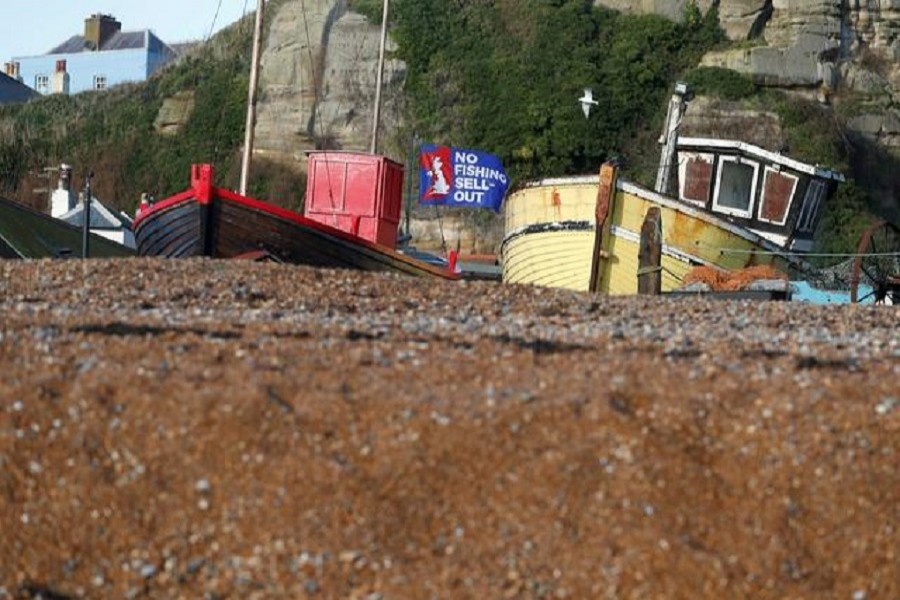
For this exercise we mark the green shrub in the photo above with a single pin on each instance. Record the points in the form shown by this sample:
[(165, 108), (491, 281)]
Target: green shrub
[(720, 83), (371, 9)]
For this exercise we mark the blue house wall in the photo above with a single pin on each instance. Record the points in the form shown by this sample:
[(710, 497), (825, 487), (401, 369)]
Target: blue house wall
[(118, 66), (123, 57), (159, 54)]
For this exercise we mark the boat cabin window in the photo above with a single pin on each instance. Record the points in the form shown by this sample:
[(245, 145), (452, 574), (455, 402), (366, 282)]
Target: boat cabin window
[(778, 191), (695, 176), (815, 194), (735, 187)]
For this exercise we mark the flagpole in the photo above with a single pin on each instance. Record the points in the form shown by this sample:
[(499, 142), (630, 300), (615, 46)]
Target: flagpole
[(379, 80), (411, 199), (251, 98)]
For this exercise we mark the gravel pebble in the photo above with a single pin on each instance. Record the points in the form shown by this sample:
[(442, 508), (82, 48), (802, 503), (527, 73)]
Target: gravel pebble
[(238, 429)]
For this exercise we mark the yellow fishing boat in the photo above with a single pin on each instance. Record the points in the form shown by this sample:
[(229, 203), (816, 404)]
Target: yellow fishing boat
[(736, 205)]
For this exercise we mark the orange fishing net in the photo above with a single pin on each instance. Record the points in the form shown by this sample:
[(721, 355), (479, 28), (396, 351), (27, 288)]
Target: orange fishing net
[(731, 281)]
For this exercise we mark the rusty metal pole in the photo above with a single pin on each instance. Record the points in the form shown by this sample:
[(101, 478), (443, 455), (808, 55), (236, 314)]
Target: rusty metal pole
[(251, 97), (650, 254)]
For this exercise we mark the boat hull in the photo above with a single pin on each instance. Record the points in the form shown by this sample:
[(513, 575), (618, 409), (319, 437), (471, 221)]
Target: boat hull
[(221, 224), (551, 237)]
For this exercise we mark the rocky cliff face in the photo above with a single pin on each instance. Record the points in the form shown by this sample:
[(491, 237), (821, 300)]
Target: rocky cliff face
[(819, 48), (317, 81), (319, 61)]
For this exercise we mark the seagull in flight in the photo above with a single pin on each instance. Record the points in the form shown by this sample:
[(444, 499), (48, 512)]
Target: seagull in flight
[(586, 101)]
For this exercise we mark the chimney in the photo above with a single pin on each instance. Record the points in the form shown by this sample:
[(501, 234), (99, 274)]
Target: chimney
[(63, 199), (65, 177), (59, 84), (98, 29), (12, 70)]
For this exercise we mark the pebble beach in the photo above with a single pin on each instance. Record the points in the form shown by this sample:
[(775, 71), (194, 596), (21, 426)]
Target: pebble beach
[(228, 429)]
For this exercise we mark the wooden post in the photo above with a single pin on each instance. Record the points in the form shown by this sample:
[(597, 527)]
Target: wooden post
[(669, 138), (252, 97), (606, 195), (379, 79), (650, 254)]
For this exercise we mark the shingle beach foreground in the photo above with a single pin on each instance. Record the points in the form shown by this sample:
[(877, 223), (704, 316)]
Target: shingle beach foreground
[(191, 429)]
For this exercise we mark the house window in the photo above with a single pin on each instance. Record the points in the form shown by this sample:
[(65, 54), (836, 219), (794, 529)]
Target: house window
[(736, 187), (42, 84), (812, 202), (696, 174), (99, 82), (778, 191)]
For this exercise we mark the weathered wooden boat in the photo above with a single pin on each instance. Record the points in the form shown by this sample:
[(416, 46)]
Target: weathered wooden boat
[(211, 221), (738, 205), (28, 233)]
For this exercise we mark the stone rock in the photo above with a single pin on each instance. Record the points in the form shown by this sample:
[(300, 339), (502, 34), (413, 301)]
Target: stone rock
[(672, 9), (800, 41), (713, 118), (869, 125), (318, 89), (454, 232), (741, 18), (737, 17), (799, 64), (174, 113), (883, 128), (860, 79)]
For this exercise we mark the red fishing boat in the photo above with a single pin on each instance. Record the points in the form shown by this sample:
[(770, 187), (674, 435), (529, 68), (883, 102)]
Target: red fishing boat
[(351, 217)]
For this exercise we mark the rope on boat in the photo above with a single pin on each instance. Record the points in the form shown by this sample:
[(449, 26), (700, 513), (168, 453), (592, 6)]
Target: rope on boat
[(649, 270), (671, 274)]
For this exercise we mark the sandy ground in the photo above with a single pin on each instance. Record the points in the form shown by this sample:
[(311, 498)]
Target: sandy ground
[(203, 429)]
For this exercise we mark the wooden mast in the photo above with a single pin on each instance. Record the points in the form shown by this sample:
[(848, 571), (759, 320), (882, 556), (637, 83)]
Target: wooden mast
[(379, 80), (251, 99), (669, 138)]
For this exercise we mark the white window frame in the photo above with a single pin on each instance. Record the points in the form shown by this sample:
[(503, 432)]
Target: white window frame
[(682, 173), (762, 200), (728, 210), (812, 204), (42, 84), (100, 82)]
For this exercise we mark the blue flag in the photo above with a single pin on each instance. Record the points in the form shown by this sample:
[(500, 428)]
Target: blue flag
[(461, 178)]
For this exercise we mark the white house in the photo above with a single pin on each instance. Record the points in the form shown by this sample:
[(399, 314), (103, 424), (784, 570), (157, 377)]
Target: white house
[(67, 206)]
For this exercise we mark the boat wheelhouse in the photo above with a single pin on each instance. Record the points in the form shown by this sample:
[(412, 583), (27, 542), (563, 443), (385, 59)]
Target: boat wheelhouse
[(772, 195)]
